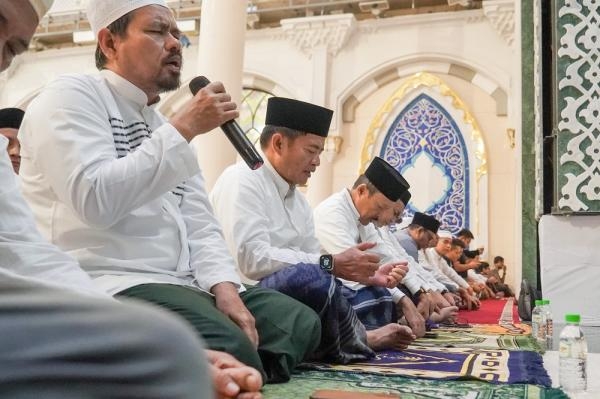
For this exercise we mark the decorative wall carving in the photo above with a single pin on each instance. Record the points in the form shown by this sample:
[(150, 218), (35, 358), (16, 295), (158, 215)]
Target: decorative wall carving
[(331, 31), (501, 14), (578, 108)]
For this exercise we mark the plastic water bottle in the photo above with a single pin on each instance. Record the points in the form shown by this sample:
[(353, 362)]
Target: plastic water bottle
[(549, 325), (572, 353), (536, 318)]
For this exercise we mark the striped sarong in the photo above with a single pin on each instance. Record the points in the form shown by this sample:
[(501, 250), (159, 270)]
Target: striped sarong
[(373, 306), (343, 336)]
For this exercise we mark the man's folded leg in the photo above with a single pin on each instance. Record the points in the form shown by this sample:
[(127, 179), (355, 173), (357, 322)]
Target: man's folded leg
[(58, 344)]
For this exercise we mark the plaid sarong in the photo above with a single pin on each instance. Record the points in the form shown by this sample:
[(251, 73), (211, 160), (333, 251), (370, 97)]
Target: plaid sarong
[(343, 336)]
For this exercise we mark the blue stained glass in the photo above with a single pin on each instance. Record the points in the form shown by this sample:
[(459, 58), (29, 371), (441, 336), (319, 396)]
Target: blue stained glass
[(425, 127)]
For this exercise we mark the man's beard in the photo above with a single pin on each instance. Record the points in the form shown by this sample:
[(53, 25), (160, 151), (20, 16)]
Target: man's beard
[(168, 84)]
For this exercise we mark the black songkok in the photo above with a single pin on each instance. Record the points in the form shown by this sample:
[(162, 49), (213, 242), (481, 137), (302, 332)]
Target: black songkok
[(387, 180), (427, 222), (298, 115), (11, 118)]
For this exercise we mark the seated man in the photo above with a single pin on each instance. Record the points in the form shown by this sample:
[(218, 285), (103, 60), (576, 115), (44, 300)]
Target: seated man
[(499, 266), (10, 121), (469, 300), (493, 281), (434, 260), (268, 224), (116, 185), (346, 218), (421, 233)]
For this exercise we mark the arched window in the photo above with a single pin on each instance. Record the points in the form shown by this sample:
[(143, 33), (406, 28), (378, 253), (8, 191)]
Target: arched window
[(253, 109), (425, 144)]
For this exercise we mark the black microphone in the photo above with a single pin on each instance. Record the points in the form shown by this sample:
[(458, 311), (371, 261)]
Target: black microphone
[(233, 131)]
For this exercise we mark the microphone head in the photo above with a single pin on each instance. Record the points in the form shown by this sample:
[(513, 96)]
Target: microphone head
[(197, 83)]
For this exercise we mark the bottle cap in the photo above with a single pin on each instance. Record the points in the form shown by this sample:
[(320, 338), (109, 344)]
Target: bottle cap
[(572, 318), (538, 302)]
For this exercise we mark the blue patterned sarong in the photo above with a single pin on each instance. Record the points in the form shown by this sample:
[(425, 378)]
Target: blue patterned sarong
[(373, 306), (343, 336)]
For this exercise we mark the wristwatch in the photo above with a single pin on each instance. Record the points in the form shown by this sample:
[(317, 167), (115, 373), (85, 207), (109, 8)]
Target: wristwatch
[(326, 263)]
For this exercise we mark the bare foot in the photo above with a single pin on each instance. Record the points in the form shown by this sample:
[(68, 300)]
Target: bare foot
[(444, 314), (391, 336)]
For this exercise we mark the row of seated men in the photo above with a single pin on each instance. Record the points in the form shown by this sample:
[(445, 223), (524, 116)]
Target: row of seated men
[(114, 185)]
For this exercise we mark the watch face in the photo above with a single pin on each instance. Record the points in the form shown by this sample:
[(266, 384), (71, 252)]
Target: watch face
[(326, 262)]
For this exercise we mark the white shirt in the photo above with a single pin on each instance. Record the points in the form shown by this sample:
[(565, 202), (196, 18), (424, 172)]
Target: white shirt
[(23, 251), (267, 223), (433, 261), (115, 185), (338, 228), (427, 280)]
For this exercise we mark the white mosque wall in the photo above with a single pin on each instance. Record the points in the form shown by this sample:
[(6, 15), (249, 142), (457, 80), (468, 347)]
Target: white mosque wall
[(461, 48)]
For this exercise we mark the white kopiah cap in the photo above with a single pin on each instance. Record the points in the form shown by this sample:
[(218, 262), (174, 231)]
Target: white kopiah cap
[(101, 13), (41, 7), (444, 234)]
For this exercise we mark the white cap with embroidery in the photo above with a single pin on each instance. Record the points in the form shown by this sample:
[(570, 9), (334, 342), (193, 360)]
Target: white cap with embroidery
[(101, 13)]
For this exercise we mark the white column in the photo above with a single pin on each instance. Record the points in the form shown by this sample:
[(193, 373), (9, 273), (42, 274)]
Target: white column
[(321, 38), (319, 186), (220, 57)]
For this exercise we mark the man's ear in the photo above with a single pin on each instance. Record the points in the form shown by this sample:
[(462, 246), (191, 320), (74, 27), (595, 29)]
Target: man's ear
[(106, 42), (362, 189), (277, 142)]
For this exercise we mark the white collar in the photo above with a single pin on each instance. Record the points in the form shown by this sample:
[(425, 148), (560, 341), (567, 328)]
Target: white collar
[(284, 188), (125, 88), (348, 199)]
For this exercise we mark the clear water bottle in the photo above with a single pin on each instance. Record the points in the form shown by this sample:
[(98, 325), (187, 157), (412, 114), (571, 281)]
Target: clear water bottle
[(549, 324), (572, 353), (536, 318)]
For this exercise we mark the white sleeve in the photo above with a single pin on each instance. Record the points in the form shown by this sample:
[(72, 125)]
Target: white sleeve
[(334, 229), (452, 274), (23, 250), (243, 211), (68, 136), (434, 270), (210, 259)]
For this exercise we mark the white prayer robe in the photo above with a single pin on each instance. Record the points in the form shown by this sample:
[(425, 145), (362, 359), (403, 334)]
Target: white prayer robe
[(115, 185), (24, 253), (338, 228), (433, 261), (267, 223)]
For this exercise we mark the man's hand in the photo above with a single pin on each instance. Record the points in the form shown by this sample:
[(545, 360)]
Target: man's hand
[(424, 306), (415, 321), (450, 298), (355, 264), (233, 379), (390, 274), (208, 109), (229, 302)]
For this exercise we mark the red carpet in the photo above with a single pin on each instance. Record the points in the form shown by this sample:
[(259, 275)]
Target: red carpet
[(490, 312)]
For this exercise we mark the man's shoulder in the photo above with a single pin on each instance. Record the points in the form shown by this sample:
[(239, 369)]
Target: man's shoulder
[(330, 202), (75, 80)]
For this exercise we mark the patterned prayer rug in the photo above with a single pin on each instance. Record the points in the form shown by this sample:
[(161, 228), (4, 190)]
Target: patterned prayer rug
[(308, 381), (481, 337), (495, 365)]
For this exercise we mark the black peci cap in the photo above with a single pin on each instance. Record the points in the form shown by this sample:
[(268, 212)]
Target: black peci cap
[(428, 222), (387, 179), (298, 115), (11, 118)]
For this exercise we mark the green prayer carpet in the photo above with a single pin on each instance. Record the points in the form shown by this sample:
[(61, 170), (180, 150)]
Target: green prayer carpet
[(306, 382)]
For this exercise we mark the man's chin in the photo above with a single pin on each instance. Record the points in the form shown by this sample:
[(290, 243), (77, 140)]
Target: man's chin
[(169, 84)]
